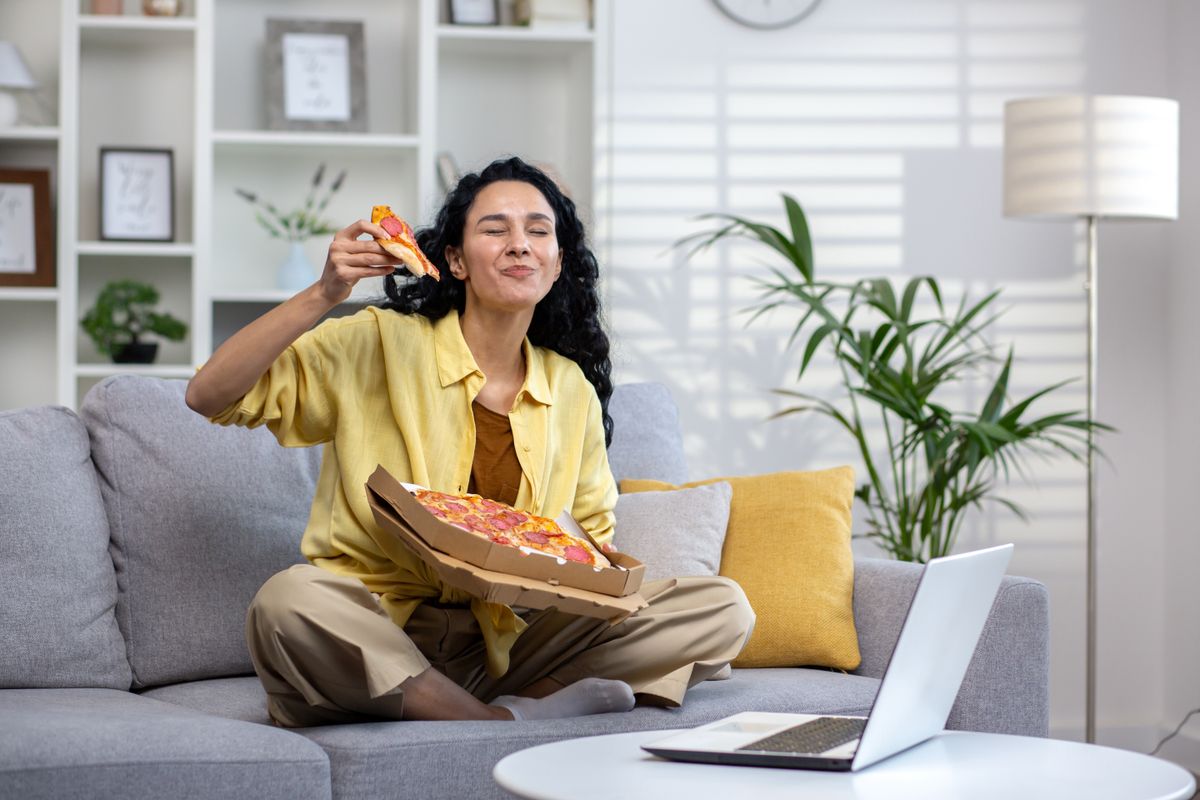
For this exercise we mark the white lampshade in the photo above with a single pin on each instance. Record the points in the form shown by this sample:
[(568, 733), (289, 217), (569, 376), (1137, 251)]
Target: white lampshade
[(13, 72), (1091, 155)]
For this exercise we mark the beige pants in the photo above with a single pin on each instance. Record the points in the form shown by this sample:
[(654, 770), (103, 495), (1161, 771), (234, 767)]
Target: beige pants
[(326, 651)]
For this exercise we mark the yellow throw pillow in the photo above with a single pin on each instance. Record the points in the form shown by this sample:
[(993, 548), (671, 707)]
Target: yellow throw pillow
[(788, 546)]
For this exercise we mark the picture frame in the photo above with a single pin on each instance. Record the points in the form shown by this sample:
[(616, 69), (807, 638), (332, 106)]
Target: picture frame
[(316, 75), (137, 194), (26, 228), (475, 12)]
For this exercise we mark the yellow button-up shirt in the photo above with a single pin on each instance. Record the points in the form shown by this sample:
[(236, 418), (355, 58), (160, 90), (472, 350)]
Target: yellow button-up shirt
[(381, 387)]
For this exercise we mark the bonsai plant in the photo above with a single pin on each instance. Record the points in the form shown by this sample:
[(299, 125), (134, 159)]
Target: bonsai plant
[(938, 462), (123, 312)]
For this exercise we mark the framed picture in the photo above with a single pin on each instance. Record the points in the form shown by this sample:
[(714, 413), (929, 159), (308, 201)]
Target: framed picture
[(137, 194), (316, 75), (26, 228), (475, 12)]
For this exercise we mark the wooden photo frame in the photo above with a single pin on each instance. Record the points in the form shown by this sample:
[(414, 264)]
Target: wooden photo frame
[(475, 12), (316, 75), (137, 194), (26, 228)]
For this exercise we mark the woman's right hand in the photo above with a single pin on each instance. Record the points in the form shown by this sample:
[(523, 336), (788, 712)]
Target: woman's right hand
[(351, 259)]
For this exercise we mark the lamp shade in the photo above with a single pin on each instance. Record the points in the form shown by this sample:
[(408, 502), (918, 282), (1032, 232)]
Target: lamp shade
[(13, 72), (1091, 155)]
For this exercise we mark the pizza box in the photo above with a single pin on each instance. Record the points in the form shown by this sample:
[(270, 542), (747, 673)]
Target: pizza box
[(502, 574)]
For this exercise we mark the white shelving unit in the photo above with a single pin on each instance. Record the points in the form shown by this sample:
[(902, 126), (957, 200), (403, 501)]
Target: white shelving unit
[(24, 295), (30, 134), (193, 84)]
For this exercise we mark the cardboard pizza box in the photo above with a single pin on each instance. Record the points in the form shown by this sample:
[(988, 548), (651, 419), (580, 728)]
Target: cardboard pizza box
[(501, 574)]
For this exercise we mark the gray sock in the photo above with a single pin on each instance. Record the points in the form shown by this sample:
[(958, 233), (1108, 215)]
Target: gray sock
[(587, 696)]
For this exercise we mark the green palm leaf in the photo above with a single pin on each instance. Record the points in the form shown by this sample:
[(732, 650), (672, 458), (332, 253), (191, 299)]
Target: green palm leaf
[(942, 464)]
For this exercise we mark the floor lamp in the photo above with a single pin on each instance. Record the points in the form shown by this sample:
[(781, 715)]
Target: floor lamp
[(1087, 157)]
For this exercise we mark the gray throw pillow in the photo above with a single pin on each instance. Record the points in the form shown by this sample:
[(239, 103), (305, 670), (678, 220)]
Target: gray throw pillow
[(57, 584), (200, 517), (675, 534)]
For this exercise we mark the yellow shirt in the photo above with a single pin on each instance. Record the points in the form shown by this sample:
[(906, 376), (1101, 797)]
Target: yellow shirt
[(381, 387)]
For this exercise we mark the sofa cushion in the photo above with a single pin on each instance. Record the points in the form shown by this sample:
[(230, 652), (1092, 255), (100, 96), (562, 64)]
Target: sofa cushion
[(453, 760), (241, 698), (647, 442), (75, 743), (57, 585), (675, 534), (200, 517), (788, 546)]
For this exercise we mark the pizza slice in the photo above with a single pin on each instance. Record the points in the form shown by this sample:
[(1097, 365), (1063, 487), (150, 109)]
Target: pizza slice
[(505, 525), (403, 244)]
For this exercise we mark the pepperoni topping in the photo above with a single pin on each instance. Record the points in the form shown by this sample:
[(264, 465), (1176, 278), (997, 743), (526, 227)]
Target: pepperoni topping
[(492, 507), (474, 523), (505, 525), (393, 225), (576, 553)]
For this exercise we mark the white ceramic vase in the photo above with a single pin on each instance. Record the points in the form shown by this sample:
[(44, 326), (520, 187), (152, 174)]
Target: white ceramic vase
[(296, 272)]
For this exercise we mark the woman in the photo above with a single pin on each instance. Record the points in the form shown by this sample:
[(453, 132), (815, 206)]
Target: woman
[(494, 380)]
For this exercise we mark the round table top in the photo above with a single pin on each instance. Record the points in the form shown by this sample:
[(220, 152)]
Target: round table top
[(954, 764)]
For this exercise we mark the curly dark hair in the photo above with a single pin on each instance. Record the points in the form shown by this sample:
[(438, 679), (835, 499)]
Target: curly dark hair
[(567, 320)]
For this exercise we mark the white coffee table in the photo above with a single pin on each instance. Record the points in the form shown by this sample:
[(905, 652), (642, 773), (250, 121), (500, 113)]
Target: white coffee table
[(978, 766)]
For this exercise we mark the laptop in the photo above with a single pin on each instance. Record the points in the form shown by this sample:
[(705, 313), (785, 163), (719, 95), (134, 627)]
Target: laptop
[(945, 619)]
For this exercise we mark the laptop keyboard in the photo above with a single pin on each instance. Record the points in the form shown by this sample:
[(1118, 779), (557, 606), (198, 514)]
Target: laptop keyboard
[(815, 736)]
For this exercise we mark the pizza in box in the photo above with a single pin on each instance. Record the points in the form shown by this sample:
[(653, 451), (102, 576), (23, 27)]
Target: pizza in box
[(504, 525)]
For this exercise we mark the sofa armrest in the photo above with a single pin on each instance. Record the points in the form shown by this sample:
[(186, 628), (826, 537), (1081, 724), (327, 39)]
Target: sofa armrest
[(1007, 685)]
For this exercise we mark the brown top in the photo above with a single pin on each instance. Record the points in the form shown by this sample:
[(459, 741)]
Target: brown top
[(495, 472)]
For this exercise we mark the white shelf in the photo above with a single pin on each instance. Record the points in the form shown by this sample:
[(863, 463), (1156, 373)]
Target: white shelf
[(511, 41), (135, 24), (270, 139), (253, 296), (515, 34), (33, 293), (153, 370), (137, 249), (276, 296), (29, 134)]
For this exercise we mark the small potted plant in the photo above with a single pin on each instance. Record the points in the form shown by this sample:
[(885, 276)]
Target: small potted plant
[(124, 311)]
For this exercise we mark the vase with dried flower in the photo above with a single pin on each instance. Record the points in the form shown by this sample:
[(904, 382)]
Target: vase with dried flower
[(296, 227)]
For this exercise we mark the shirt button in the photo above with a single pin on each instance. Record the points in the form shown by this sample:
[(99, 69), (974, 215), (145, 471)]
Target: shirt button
[(526, 448)]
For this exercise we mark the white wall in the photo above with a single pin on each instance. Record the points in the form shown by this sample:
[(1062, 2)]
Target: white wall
[(883, 117), (1182, 542)]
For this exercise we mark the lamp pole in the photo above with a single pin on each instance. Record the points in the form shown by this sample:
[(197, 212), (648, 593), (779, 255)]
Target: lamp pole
[(1086, 157), (1092, 360)]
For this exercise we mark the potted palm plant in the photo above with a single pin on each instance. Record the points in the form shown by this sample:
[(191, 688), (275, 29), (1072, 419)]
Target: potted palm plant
[(939, 462), (122, 315)]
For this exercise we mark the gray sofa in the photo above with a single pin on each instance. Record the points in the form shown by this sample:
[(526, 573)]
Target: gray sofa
[(133, 536)]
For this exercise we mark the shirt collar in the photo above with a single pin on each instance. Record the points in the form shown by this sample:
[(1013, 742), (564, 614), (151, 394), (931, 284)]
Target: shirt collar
[(455, 362)]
